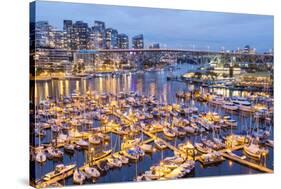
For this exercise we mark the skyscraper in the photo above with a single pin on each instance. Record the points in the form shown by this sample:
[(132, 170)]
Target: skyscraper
[(68, 34), (137, 42), (42, 31), (111, 36), (123, 41), (81, 32), (98, 35)]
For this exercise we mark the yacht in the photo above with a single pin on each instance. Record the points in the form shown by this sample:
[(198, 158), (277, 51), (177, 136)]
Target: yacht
[(54, 153), (41, 157), (243, 104), (160, 144), (78, 177), (70, 148), (123, 159), (229, 106), (201, 148), (254, 151), (211, 158), (91, 172), (113, 162), (217, 100), (82, 143), (59, 170), (169, 133), (95, 140)]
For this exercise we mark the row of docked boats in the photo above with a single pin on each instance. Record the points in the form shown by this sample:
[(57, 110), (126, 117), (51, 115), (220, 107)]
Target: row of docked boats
[(168, 168)]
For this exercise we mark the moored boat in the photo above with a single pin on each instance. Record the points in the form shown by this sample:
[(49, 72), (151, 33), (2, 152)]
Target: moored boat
[(255, 151), (60, 169), (78, 177)]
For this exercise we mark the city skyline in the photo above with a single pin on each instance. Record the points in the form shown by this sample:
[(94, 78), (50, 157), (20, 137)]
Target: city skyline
[(208, 29)]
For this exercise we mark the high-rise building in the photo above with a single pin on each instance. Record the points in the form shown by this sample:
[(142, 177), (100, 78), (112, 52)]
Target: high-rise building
[(42, 31), (137, 42), (68, 34), (57, 39), (111, 38), (80, 33), (123, 41), (97, 36)]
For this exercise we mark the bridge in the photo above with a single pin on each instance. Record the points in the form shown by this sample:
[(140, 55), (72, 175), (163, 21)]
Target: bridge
[(149, 55), (193, 51)]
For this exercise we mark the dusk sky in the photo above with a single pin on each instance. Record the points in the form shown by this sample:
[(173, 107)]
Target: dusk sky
[(173, 28)]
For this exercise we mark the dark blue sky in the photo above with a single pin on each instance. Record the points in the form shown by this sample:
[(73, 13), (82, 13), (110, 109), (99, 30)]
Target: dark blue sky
[(175, 28)]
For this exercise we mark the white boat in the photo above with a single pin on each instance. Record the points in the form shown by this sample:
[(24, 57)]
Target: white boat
[(113, 162), (40, 157), (78, 177), (95, 140), (218, 100), (54, 152), (231, 122), (269, 143), (59, 170), (91, 172), (123, 159), (243, 104), (201, 148), (160, 144), (169, 132), (82, 143), (189, 129), (211, 158), (230, 106), (70, 148), (254, 151)]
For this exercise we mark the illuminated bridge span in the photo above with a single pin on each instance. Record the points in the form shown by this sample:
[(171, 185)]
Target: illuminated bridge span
[(191, 51), (148, 55)]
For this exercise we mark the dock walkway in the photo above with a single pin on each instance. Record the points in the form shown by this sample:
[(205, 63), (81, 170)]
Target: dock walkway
[(248, 163)]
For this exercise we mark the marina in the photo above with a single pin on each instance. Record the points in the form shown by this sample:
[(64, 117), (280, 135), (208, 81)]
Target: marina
[(138, 126)]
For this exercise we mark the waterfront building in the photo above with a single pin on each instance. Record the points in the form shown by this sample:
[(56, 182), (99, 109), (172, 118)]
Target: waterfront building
[(111, 36), (137, 42), (47, 58), (227, 70), (123, 41)]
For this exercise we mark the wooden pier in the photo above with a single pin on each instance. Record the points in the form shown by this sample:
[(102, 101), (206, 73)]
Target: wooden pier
[(247, 163)]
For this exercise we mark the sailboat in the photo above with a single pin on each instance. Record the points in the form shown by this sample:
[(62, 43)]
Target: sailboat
[(254, 151), (78, 177), (40, 156), (91, 172)]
